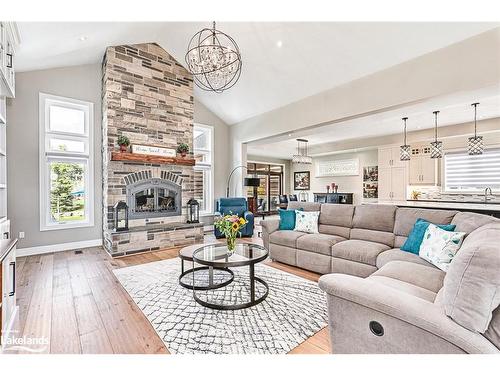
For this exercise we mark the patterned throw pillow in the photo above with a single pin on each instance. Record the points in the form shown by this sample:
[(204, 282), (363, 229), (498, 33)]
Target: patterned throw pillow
[(440, 246), (306, 221)]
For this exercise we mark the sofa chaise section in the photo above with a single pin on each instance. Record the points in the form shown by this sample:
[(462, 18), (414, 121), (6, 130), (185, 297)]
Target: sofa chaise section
[(406, 307)]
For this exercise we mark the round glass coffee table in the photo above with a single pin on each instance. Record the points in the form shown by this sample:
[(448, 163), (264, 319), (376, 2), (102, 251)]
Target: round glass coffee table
[(245, 254)]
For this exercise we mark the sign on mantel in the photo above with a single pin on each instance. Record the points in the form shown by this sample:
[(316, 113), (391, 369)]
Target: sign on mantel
[(344, 167), (153, 150)]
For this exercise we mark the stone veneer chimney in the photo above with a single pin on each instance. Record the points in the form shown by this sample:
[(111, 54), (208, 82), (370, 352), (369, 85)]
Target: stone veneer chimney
[(148, 97)]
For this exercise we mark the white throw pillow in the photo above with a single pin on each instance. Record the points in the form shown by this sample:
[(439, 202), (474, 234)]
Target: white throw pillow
[(306, 221), (440, 246)]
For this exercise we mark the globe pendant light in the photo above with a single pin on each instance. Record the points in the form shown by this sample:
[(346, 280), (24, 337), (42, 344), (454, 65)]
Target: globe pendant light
[(301, 157), (436, 146), (214, 60), (475, 143), (405, 150)]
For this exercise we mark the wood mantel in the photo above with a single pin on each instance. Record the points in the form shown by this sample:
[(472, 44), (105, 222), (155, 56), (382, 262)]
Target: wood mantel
[(155, 159)]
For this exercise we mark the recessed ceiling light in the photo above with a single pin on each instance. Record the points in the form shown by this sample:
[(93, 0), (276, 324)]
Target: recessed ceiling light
[(289, 134), (279, 44), (82, 38)]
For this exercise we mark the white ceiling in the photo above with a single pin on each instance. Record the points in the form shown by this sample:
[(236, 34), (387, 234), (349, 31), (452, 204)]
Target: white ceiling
[(314, 56), (454, 109)]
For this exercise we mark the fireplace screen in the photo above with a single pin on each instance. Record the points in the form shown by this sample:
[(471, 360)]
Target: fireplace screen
[(153, 198)]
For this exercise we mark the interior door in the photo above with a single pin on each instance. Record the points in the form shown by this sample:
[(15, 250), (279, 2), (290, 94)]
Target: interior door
[(398, 177), (384, 184)]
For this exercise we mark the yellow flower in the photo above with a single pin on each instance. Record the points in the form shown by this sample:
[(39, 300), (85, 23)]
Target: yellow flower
[(235, 226), (242, 221)]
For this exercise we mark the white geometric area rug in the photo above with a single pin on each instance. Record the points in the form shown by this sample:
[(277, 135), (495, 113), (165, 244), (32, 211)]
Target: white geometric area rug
[(294, 309)]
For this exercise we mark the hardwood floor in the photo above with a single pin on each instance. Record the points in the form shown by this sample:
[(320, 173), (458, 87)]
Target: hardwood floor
[(77, 302)]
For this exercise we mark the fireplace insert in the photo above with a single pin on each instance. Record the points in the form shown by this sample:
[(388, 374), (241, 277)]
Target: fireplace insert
[(154, 197)]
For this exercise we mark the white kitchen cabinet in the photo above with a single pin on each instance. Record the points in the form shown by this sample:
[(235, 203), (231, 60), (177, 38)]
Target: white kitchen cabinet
[(8, 306), (9, 39), (422, 169), (392, 184), (392, 175), (389, 157)]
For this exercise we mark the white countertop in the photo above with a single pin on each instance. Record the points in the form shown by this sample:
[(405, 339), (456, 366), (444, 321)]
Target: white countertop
[(438, 204)]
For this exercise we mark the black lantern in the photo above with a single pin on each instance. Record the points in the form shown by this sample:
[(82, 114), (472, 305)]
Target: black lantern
[(193, 211), (121, 216)]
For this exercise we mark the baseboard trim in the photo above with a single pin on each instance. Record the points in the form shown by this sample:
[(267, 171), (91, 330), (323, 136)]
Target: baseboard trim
[(36, 250)]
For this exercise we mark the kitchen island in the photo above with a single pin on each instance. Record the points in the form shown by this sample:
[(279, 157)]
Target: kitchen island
[(492, 209)]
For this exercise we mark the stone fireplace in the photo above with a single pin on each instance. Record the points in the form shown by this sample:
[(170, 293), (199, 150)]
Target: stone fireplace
[(148, 97)]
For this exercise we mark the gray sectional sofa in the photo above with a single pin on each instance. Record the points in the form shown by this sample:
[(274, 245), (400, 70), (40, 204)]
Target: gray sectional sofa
[(384, 300)]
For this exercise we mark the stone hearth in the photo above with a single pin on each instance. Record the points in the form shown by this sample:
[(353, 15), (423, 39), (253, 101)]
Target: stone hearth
[(148, 97)]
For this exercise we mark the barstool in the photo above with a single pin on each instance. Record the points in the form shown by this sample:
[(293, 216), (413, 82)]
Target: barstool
[(186, 254)]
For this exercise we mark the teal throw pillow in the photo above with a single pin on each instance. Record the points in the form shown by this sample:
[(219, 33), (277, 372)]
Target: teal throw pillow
[(415, 238), (287, 219)]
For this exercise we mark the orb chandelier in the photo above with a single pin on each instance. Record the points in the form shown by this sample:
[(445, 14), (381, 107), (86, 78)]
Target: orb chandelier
[(214, 60), (301, 157)]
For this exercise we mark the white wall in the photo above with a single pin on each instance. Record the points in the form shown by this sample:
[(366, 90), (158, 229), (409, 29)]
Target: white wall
[(347, 184)]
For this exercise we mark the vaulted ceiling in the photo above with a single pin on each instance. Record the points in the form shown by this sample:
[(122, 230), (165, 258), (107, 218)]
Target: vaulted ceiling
[(282, 62)]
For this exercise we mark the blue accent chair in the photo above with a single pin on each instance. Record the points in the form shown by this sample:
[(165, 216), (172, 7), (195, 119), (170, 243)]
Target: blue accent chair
[(235, 206)]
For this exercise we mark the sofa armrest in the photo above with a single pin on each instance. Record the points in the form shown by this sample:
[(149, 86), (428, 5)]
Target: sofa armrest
[(427, 316), (268, 227)]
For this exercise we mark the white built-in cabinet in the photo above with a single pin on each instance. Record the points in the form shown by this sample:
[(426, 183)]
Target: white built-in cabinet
[(392, 175), (9, 39), (422, 169)]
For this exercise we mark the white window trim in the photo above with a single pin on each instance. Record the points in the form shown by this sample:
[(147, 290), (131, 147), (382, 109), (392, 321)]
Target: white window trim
[(445, 189), (45, 155), (204, 166)]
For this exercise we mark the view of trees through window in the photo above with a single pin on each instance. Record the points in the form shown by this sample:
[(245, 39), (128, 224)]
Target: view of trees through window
[(67, 192)]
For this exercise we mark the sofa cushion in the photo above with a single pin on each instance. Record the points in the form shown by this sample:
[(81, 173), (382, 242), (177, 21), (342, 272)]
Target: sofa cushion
[(306, 221), (336, 214), (469, 221), (287, 219), (334, 230), (306, 206), (386, 238), (407, 217), (336, 219), (440, 246), (472, 283), (398, 254), (318, 243), (359, 251), (419, 275), (375, 217), (416, 236), (405, 287), (285, 237)]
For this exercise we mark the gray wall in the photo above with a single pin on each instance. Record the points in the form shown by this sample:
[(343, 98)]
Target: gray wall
[(78, 82)]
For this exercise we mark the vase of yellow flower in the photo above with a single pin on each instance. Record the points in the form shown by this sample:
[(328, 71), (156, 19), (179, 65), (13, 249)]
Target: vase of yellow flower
[(230, 226)]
